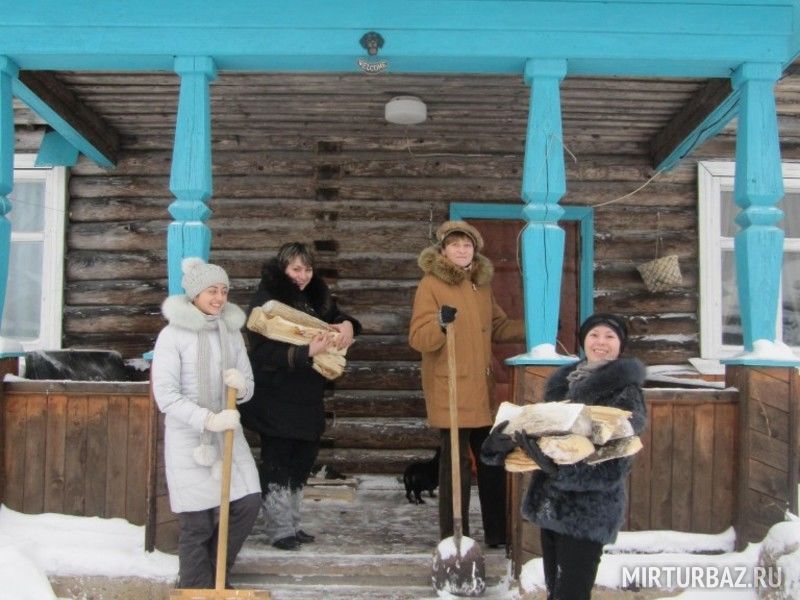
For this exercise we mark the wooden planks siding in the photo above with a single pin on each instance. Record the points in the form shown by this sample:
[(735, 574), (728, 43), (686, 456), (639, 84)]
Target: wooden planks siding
[(684, 478), (770, 465), (76, 448)]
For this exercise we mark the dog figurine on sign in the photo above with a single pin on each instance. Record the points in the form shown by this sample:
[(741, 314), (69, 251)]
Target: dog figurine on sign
[(422, 475)]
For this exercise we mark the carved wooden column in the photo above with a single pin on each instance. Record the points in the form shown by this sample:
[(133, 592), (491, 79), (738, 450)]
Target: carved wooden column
[(757, 189), (543, 185), (190, 180), (8, 71)]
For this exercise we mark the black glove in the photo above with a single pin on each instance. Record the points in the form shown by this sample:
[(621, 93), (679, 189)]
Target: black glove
[(531, 448), (496, 446), (447, 314)]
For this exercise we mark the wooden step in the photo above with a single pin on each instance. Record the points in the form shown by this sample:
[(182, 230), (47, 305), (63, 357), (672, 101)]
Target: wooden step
[(375, 403), (365, 460), (379, 433), (380, 375)]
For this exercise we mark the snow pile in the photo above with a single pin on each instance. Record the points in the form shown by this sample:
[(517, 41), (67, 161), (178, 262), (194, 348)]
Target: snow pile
[(20, 577), (765, 571), (780, 550), (769, 350), (66, 545)]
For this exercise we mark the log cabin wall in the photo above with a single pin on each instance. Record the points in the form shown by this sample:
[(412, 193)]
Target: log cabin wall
[(309, 157)]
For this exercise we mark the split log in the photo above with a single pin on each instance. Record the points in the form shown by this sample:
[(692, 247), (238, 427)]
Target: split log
[(616, 449), (283, 323), (552, 418), (566, 449), (609, 423)]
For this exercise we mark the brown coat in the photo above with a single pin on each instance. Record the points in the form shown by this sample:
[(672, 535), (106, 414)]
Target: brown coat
[(479, 321)]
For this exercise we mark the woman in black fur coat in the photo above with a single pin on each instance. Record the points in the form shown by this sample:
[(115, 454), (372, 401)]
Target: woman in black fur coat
[(287, 409), (581, 507)]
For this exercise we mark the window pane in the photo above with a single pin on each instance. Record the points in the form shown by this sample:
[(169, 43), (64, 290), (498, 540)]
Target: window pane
[(728, 211), (27, 206), (731, 319), (791, 214), (791, 299), (22, 310)]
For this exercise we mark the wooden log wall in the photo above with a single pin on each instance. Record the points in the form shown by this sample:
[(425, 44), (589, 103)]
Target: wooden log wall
[(76, 448), (684, 478), (310, 158)]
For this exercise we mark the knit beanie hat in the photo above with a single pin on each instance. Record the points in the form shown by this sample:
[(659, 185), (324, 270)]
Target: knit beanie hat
[(198, 275), (616, 324)]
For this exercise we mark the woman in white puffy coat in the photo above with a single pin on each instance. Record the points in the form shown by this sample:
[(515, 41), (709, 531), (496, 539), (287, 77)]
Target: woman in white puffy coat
[(196, 355)]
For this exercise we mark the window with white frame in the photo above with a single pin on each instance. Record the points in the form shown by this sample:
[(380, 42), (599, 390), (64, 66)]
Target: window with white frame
[(720, 321), (33, 303)]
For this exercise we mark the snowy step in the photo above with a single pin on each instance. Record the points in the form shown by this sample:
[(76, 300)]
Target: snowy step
[(377, 432), (369, 569), (375, 403), (366, 460)]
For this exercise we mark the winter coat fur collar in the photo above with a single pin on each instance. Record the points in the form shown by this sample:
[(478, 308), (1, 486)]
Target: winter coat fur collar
[(431, 261), (179, 311), (616, 375), (277, 285)]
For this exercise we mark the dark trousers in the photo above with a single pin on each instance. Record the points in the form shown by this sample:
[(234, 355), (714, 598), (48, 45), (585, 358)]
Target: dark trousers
[(491, 487), (285, 462), (197, 542), (570, 565)]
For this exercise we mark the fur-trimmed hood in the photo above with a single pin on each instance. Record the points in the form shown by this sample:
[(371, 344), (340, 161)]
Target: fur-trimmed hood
[(180, 311), (433, 262), (278, 286)]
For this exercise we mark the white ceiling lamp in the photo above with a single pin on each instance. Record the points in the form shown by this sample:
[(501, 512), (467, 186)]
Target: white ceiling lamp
[(405, 110)]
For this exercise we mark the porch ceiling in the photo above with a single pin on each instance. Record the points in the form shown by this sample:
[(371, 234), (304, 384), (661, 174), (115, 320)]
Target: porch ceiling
[(600, 115)]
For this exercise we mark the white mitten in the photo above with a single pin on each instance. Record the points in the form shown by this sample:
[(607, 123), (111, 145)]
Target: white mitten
[(223, 420), (216, 470), (234, 378), (205, 455)]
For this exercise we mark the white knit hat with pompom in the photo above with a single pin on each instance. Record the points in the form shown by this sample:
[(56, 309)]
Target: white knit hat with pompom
[(198, 275)]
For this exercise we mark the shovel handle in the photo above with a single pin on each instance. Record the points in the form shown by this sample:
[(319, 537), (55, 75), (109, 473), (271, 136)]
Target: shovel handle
[(455, 454), (225, 496)]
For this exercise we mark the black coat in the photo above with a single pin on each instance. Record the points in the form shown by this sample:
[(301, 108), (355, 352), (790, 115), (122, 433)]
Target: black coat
[(585, 501), (288, 398)]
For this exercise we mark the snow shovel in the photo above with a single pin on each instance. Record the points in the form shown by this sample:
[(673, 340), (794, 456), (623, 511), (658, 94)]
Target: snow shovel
[(219, 592), (458, 565)]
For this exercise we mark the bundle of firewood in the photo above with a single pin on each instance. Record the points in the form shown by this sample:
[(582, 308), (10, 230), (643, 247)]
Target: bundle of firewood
[(569, 433), (280, 322)]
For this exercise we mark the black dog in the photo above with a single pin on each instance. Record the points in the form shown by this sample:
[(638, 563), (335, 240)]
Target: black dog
[(422, 475)]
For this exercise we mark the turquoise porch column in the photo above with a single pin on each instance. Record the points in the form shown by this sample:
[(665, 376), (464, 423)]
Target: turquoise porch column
[(758, 187), (8, 72), (543, 185), (190, 180)]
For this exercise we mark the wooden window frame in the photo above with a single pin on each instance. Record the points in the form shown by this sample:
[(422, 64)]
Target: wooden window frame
[(52, 237), (712, 178)]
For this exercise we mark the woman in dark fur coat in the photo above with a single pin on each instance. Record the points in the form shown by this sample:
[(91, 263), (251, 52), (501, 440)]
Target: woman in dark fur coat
[(287, 408), (580, 507)]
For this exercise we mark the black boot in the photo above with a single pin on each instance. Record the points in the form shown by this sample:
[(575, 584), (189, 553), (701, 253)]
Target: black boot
[(287, 543), (303, 537)]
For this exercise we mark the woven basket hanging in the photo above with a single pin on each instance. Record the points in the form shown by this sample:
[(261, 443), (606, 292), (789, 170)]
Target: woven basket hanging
[(661, 273)]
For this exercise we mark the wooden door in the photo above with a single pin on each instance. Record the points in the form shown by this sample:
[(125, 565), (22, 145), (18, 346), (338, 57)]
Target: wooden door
[(501, 242)]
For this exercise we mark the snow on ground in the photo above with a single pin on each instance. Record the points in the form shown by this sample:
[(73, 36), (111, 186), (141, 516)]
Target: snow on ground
[(34, 546), (683, 561)]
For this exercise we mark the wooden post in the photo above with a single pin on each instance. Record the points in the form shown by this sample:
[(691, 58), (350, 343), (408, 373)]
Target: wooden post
[(769, 448), (543, 185), (8, 71), (757, 189), (190, 180)]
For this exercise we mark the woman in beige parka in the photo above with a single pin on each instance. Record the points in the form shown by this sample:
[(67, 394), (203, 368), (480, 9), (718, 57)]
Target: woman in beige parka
[(457, 275)]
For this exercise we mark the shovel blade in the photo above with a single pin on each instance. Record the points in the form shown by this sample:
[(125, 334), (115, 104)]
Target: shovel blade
[(458, 569)]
